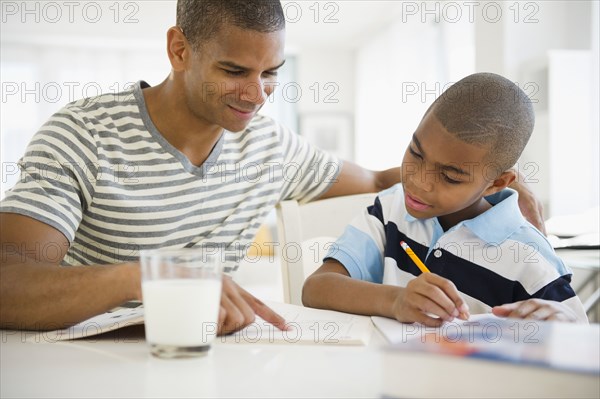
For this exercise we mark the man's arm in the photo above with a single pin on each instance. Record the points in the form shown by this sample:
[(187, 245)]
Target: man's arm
[(531, 208), (37, 294), (353, 179)]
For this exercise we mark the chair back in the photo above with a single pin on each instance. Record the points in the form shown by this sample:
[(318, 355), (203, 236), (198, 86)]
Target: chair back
[(305, 232)]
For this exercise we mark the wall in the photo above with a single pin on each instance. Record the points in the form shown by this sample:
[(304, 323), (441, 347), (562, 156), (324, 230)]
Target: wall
[(400, 72), (519, 46), (387, 61), (426, 51), (53, 53)]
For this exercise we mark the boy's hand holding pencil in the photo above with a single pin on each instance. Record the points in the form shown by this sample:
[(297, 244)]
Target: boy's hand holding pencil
[(429, 299)]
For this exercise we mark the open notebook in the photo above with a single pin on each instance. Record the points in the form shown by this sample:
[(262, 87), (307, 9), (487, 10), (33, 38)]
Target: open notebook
[(566, 346), (307, 326)]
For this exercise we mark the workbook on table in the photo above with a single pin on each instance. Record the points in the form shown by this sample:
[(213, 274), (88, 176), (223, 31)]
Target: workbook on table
[(565, 346), (306, 326)]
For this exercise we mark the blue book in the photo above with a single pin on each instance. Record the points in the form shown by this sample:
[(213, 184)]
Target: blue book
[(564, 346)]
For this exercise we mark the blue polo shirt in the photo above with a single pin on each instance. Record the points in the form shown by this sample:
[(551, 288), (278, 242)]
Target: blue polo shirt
[(495, 258)]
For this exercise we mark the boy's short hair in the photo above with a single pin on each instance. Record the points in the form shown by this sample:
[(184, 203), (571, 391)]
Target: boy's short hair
[(200, 20), (488, 110)]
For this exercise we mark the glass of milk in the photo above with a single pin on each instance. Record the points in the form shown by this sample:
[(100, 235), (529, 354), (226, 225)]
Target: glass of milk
[(181, 290)]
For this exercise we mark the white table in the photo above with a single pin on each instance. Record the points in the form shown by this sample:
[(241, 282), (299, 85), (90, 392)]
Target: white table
[(118, 364), (589, 260)]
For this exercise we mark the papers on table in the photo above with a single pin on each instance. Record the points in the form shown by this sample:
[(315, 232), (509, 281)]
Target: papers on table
[(128, 314), (307, 326), (574, 225), (583, 241), (577, 231)]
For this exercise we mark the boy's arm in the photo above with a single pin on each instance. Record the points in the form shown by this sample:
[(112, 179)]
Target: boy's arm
[(538, 309), (331, 287)]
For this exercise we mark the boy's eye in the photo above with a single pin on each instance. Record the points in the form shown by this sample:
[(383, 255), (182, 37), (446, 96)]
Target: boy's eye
[(414, 153), (450, 180)]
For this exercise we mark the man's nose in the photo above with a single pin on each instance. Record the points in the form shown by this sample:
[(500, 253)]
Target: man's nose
[(255, 92)]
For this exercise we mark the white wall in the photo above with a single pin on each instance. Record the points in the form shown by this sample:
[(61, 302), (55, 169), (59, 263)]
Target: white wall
[(400, 72), (52, 53), (570, 134), (519, 46), (595, 103), (318, 68), (430, 51), (373, 53), (326, 108)]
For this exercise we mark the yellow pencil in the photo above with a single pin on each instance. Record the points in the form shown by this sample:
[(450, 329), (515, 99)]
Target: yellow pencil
[(424, 269), (414, 257)]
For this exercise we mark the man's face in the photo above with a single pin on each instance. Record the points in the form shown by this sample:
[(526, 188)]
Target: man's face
[(229, 77), (443, 176)]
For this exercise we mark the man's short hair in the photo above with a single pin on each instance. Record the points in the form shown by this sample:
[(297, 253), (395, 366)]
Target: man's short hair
[(200, 20), (486, 109)]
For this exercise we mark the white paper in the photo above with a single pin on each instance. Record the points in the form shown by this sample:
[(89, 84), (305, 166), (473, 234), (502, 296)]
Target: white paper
[(307, 326)]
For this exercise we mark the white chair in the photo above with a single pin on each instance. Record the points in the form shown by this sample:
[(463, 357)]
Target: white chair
[(305, 233)]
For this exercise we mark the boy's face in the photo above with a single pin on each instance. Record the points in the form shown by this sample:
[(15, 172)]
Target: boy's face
[(443, 176), (229, 78)]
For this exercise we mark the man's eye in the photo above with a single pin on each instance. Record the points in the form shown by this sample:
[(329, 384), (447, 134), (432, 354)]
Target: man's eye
[(233, 73)]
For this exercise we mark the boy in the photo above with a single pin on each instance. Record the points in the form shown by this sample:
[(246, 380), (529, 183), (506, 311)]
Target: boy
[(477, 247)]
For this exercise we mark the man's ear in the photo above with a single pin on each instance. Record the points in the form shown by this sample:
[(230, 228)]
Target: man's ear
[(178, 48), (501, 182)]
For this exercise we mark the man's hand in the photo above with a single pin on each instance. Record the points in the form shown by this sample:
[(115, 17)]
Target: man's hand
[(531, 208), (239, 308), (536, 309)]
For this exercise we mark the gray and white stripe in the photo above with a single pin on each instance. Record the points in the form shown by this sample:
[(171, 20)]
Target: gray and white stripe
[(100, 172)]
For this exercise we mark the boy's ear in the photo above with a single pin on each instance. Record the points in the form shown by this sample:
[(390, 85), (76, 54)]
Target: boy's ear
[(501, 182)]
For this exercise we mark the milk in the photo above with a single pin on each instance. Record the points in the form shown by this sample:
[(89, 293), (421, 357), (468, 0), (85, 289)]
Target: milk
[(181, 312)]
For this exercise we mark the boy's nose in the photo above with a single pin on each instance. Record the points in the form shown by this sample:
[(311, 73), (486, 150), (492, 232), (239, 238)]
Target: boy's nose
[(420, 181)]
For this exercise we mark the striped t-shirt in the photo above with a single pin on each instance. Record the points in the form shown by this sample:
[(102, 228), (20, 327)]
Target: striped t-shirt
[(493, 259), (101, 173)]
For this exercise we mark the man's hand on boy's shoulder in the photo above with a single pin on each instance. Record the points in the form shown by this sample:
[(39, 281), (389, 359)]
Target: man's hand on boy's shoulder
[(536, 309), (531, 208)]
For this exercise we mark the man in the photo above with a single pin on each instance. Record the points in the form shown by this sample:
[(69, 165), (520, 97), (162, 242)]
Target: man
[(183, 163)]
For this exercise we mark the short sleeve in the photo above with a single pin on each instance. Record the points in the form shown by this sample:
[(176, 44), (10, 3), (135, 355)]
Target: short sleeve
[(57, 174), (308, 171), (360, 248)]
